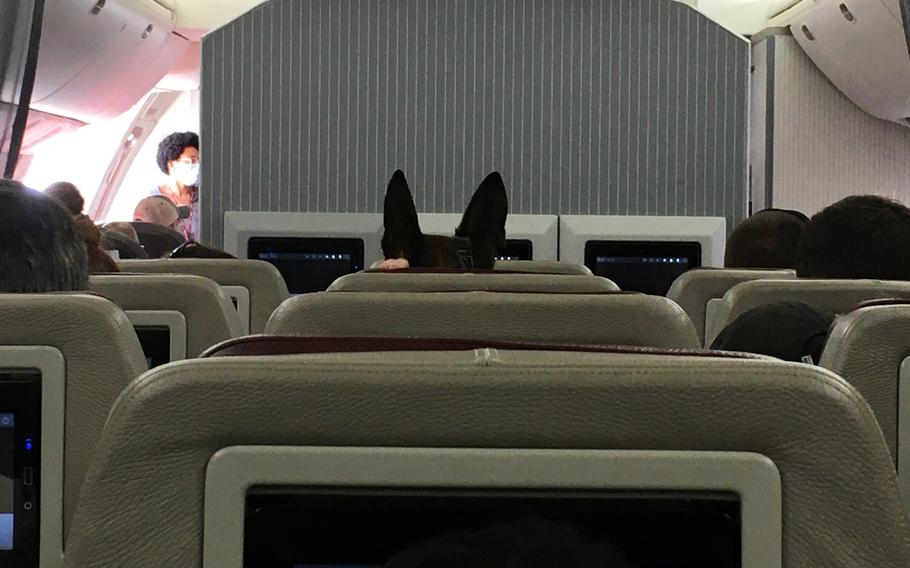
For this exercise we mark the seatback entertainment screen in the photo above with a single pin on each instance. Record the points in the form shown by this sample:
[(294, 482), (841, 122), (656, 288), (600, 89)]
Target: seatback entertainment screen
[(156, 344), (7, 455), (308, 264), (640, 266), (517, 249), (373, 529), (20, 466)]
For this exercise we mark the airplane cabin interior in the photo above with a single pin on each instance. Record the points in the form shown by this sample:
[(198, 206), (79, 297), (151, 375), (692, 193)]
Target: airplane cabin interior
[(454, 283)]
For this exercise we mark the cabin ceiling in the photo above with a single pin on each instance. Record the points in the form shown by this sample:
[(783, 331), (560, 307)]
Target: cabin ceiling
[(195, 18)]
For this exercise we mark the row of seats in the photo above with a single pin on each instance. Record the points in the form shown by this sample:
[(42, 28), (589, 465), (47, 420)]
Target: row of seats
[(839, 503), (589, 310)]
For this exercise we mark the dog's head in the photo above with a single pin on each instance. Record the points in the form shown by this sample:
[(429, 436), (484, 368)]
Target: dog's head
[(480, 235)]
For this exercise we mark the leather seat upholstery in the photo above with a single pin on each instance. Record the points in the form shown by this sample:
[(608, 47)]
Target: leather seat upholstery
[(544, 267), (102, 356), (210, 316), (266, 285), (618, 318), (841, 503), (695, 288), (457, 281), (836, 296), (867, 348)]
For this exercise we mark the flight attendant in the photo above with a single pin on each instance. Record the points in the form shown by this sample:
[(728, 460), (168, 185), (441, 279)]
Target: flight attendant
[(178, 157)]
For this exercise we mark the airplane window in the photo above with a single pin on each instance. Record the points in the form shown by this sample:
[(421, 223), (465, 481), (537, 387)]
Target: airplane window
[(143, 175), (81, 156)]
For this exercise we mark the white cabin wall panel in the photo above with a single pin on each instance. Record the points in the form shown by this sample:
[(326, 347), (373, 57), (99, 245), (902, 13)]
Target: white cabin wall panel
[(825, 147), (862, 48), (96, 66)]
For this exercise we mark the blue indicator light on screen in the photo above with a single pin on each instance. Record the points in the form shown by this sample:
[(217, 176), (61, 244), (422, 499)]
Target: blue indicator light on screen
[(28, 444)]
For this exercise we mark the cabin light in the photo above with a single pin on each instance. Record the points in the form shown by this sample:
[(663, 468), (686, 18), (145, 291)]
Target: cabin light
[(809, 35), (848, 15), (99, 5)]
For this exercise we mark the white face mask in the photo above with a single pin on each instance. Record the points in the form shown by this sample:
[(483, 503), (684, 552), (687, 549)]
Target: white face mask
[(187, 174)]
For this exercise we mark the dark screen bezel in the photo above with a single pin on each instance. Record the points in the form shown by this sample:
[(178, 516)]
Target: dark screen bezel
[(352, 246), (688, 249), (163, 335), (271, 542), (517, 243), (20, 395)]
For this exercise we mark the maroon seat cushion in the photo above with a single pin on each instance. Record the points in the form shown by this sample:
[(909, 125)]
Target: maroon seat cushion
[(258, 345), (447, 270), (882, 302)]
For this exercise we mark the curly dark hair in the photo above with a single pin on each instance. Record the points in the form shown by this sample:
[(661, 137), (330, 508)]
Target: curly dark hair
[(171, 147), (863, 236)]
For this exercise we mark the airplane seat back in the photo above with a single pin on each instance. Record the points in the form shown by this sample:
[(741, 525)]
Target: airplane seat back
[(172, 425), (209, 314), (609, 318), (265, 284), (869, 348), (447, 280), (101, 354), (157, 240), (835, 296), (544, 267), (695, 290)]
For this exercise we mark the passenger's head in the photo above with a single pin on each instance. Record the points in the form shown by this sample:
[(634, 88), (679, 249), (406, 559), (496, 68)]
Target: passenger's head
[(530, 542), (791, 331), (99, 262), (481, 233), (122, 237), (864, 236), (195, 250), (157, 240), (123, 228), (158, 210), (40, 248), (67, 194), (767, 239), (178, 157)]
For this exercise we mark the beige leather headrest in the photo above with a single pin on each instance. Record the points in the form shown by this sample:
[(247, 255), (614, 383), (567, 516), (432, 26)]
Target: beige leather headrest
[(623, 319), (455, 282), (266, 285), (837, 296), (695, 288), (841, 504), (102, 356), (544, 267), (867, 348), (210, 315)]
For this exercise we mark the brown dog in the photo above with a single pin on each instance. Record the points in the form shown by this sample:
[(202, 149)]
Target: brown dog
[(480, 235)]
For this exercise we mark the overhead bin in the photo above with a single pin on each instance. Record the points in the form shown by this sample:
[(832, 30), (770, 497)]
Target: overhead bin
[(861, 46), (99, 57)]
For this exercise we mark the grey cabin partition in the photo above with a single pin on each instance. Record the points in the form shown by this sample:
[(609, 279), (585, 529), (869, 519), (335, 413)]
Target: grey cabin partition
[(585, 107)]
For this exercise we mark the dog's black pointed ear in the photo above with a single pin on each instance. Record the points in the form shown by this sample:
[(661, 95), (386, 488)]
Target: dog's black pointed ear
[(402, 235), (484, 221)]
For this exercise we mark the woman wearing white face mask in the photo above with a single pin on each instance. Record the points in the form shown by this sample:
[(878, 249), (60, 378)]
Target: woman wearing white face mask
[(178, 157)]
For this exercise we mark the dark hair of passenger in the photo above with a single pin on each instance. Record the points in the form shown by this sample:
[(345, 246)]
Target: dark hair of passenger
[(767, 239), (171, 147), (526, 543), (122, 237), (864, 236), (67, 194), (195, 250), (40, 247), (791, 331)]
